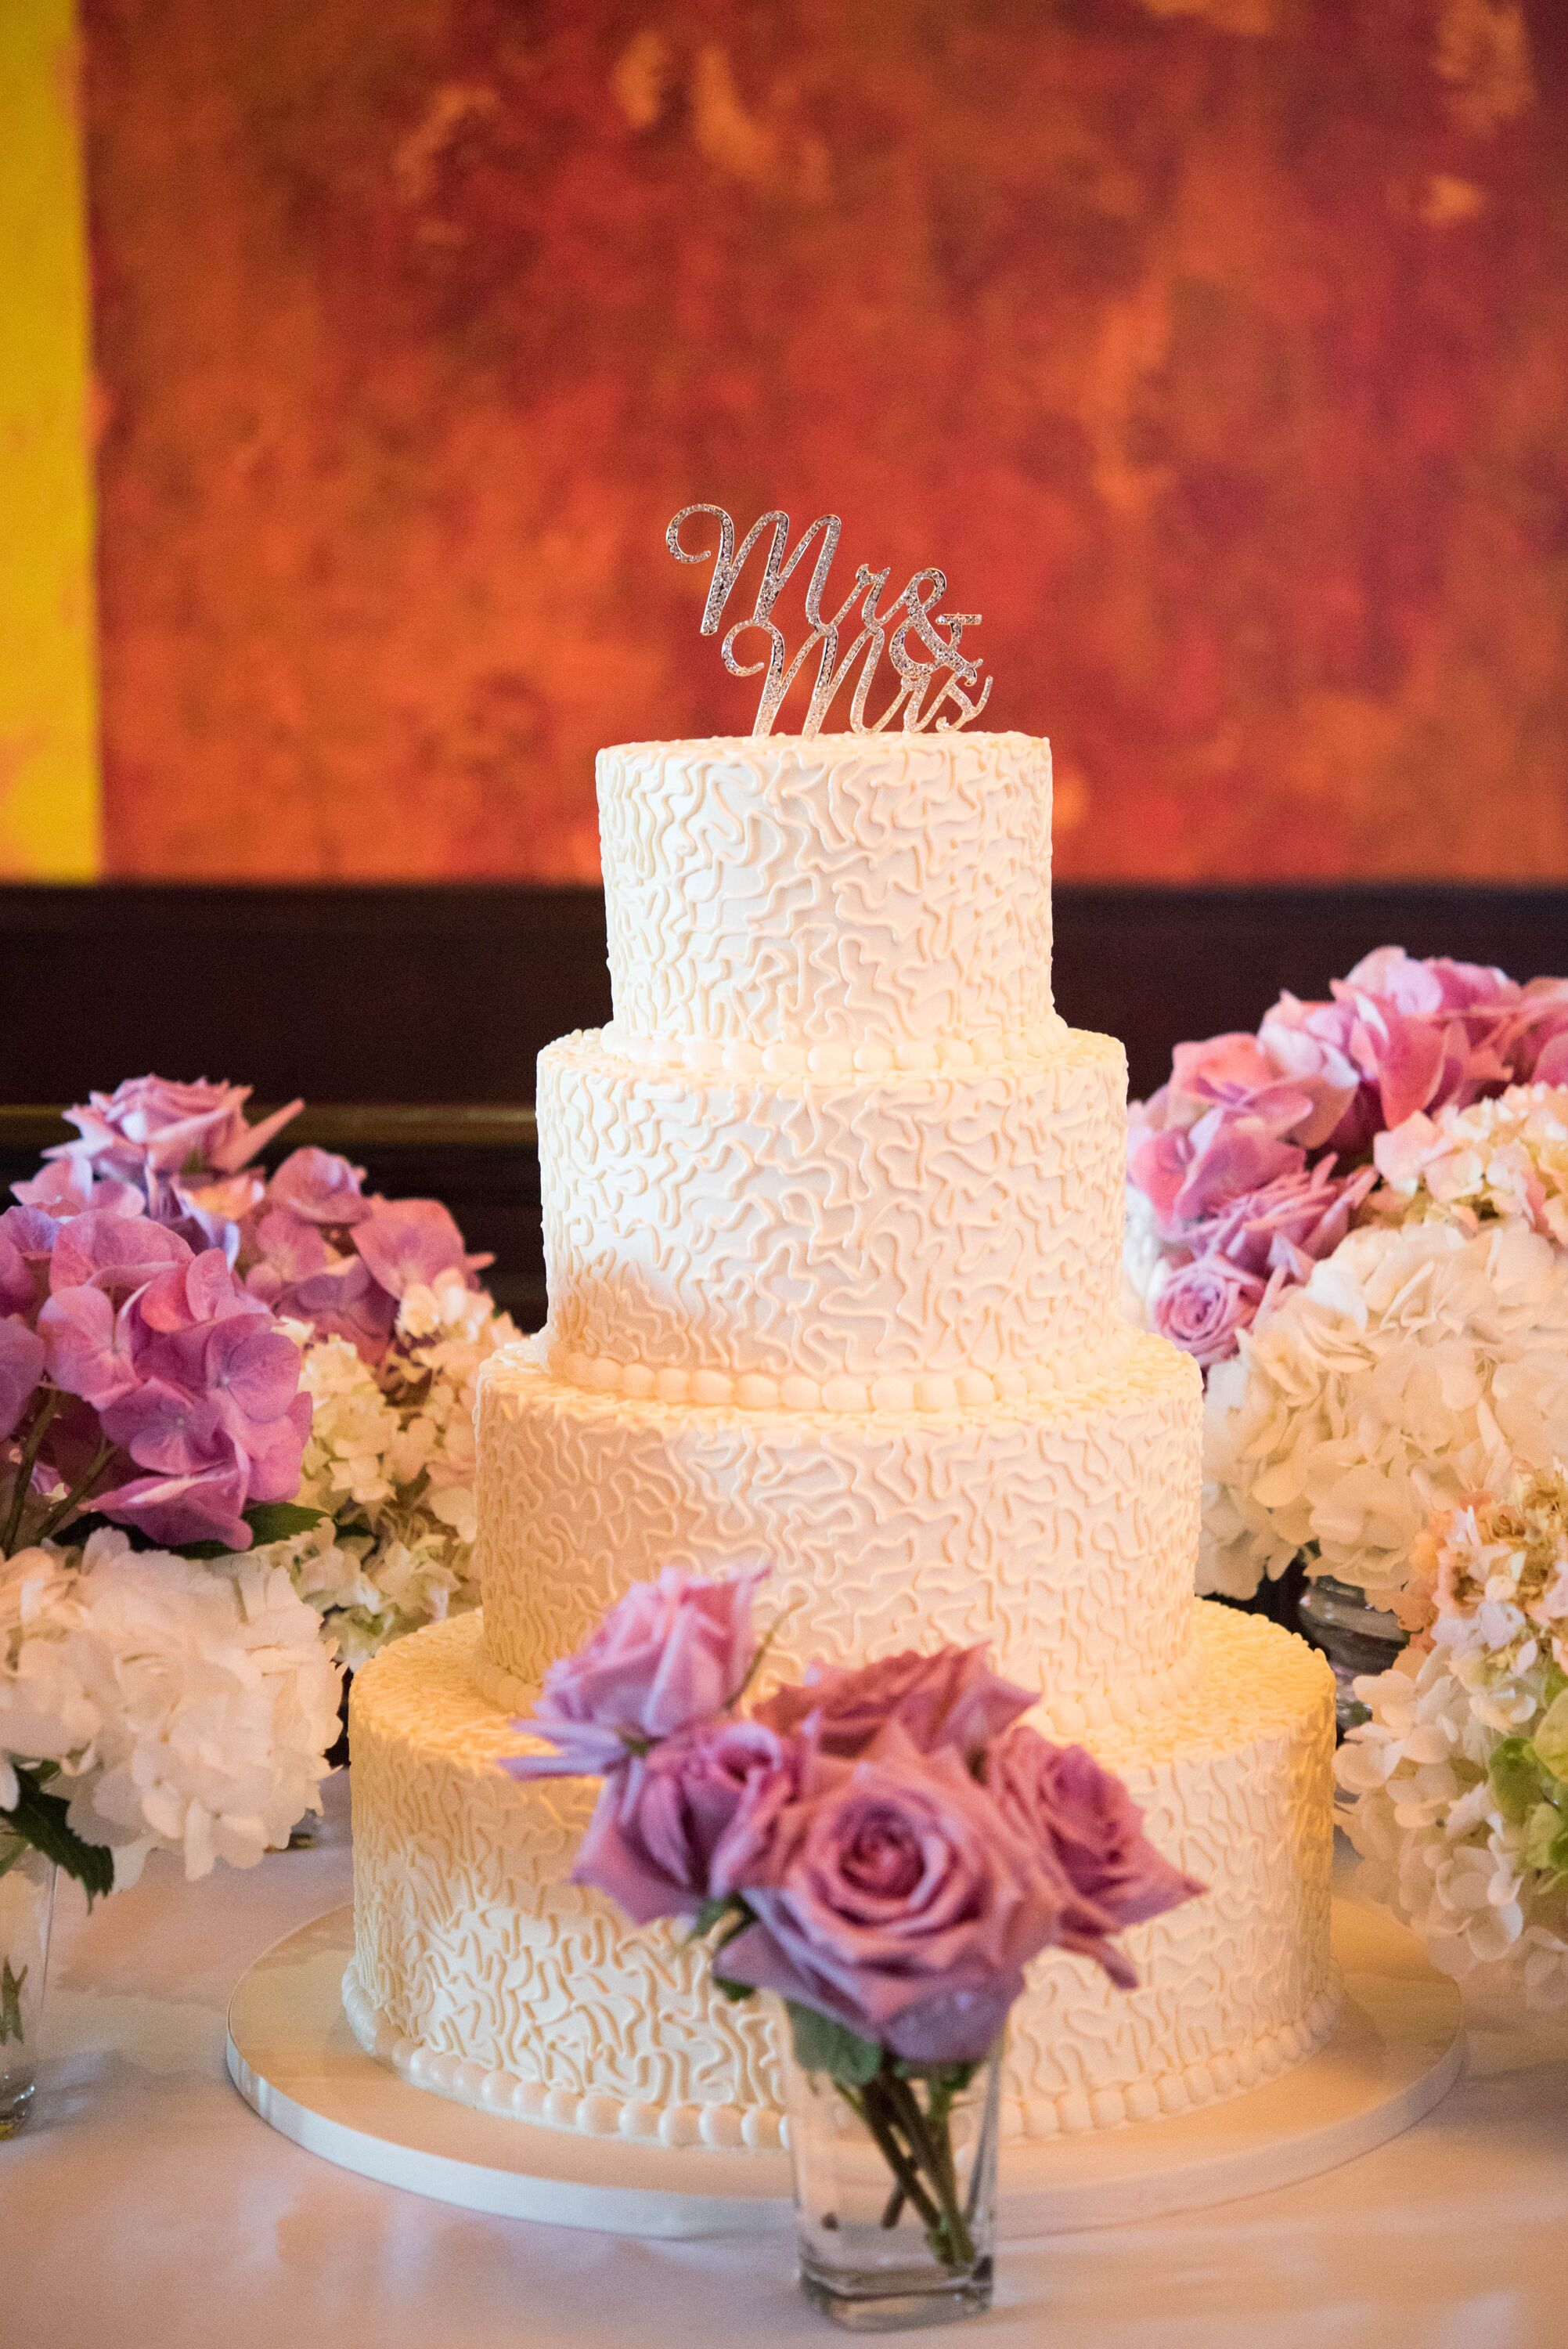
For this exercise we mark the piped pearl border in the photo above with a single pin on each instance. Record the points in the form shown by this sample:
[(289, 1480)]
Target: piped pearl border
[(760, 2128), (910, 1056), (841, 1395), (757, 2128)]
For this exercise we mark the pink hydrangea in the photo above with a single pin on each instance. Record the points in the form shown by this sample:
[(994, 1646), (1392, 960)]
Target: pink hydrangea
[(172, 1366)]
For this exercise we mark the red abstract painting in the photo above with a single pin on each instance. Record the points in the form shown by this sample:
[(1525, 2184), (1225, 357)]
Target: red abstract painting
[(1217, 349)]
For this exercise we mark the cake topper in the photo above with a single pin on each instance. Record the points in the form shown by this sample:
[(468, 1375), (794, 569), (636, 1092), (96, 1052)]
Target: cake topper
[(912, 614)]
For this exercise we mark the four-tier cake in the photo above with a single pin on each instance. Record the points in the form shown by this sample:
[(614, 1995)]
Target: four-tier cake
[(832, 1216)]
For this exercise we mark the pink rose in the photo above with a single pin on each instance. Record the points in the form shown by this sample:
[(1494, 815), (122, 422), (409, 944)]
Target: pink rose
[(1057, 1796), (896, 1900), (1287, 1225), (149, 1127), (670, 1653), (1204, 1306), (672, 1827), (951, 1698)]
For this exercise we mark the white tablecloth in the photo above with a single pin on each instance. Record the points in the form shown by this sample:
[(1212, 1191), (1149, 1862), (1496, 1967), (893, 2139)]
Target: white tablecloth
[(149, 2209)]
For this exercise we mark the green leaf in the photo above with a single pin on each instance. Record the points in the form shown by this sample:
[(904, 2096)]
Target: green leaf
[(1542, 1830), (709, 1915), (823, 2045), (40, 1819), (1515, 1776), (1549, 1737), (272, 1521), (733, 1991)]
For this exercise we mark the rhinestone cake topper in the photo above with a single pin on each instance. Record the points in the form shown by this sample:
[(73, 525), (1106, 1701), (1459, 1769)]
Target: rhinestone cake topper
[(912, 614)]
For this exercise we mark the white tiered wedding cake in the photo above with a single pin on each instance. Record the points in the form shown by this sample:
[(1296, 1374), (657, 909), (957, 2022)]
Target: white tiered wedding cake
[(833, 1216)]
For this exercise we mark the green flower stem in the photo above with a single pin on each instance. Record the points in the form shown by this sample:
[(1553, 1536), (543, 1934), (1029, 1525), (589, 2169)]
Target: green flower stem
[(78, 1492), (931, 2138), (25, 1467), (867, 2109)]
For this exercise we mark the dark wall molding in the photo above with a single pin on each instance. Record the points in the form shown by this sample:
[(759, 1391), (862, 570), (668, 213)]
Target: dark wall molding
[(410, 1018), (426, 996)]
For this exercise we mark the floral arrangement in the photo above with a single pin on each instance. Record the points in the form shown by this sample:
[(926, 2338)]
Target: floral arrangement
[(147, 1697), (1459, 1776), (235, 1411), (885, 1848), (376, 1298), (1356, 1221), (1251, 1165)]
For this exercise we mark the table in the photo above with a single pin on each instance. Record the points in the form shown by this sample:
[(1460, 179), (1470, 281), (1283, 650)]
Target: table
[(148, 2208)]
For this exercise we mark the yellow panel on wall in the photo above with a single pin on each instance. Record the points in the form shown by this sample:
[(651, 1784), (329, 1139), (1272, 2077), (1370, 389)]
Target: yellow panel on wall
[(49, 722)]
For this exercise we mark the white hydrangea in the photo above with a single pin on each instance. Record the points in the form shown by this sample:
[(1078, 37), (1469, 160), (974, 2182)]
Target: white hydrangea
[(1498, 1159), (187, 1705), (1142, 1258), (1417, 1363), (1459, 1803), (391, 1460)]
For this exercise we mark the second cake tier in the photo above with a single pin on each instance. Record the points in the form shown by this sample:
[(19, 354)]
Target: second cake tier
[(1060, 1529), (958, 1223)]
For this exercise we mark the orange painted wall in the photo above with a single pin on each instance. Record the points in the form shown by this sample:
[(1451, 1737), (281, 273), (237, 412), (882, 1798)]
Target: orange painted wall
[(1218, 348)]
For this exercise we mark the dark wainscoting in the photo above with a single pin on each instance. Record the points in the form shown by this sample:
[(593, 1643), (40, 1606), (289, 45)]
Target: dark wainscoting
[(410, 1018)]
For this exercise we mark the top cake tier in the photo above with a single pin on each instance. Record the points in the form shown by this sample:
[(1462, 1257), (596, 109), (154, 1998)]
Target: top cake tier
[(851, 891)]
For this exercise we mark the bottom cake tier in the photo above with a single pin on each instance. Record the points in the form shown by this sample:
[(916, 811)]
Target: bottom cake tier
[(482, 1972)]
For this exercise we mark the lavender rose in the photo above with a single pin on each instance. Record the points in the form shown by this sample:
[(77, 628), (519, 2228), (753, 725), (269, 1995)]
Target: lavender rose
[(1058, 1797), (895, 1898), (670, 1653), (675, 1827), (149, 1126), (951, 1698), (1204, 1306)]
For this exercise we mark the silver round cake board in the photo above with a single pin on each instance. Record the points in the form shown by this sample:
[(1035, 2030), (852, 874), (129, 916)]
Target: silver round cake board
[(1393, 2051)]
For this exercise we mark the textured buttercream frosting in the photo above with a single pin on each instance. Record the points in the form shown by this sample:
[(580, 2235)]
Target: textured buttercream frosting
[(479, 1971), (847, 1225), (833, 1213), (854, 891), (1062, 1529)]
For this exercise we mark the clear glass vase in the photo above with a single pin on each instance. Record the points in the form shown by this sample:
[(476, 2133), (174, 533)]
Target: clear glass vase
[(26, 1908), (895, 2192), (1355, 1636)]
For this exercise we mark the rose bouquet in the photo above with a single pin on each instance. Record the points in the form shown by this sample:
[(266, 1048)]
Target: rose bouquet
[(1458, 1779), (886, 1849), (379, 1295)]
